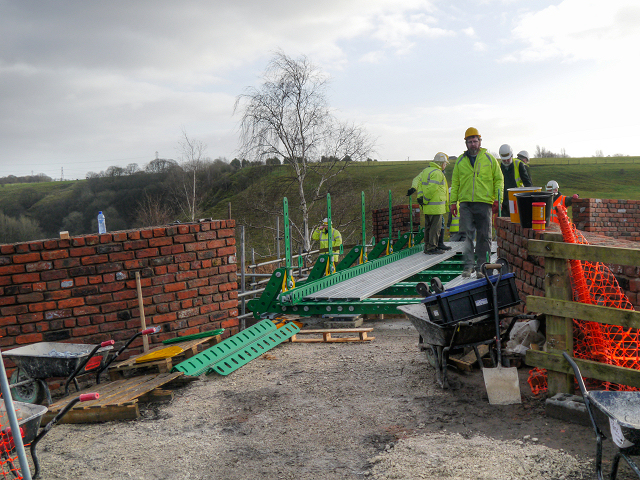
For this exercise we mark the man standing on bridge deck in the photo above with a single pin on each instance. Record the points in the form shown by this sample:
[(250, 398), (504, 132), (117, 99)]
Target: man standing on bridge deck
[(433, 195), (515, 175), (478, 185)]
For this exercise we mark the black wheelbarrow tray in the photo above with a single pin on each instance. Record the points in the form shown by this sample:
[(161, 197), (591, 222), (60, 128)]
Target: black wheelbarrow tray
[(43, 360), (29, 418), (460, 317), (622, 409)]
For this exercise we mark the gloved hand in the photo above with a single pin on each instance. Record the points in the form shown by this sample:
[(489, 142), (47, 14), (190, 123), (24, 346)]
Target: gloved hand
[(411, 191), (494, 208), (421, 200), (454, 209), (575, 196)]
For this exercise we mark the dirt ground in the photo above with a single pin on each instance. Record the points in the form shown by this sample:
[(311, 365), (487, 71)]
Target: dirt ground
[(329, 411)]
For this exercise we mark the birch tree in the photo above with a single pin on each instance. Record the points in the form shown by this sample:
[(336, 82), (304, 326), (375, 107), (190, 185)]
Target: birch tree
[(288, 117)]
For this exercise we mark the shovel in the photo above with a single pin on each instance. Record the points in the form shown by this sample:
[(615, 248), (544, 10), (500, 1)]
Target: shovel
[(503, 386)]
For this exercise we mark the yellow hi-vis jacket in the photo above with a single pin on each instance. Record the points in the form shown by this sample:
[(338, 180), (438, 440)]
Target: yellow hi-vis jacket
[(481, 183), (432, 186), (320, 234)]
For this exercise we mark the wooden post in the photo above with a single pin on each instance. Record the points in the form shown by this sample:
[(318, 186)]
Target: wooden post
[(143, 322), (557, 285)]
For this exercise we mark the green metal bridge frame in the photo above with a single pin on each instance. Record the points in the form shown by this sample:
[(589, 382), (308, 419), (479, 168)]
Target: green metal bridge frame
[(283, 296)]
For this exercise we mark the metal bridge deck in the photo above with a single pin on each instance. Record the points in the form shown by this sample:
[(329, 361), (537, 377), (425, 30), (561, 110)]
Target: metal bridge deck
[(367, 284)]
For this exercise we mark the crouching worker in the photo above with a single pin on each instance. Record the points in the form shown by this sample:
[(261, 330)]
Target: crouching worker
[(433, 194)]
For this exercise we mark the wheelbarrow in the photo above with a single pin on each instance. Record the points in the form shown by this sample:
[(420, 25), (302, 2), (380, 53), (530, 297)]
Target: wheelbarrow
[(30, 417), (623, 412), (39, 361), (460, 318)]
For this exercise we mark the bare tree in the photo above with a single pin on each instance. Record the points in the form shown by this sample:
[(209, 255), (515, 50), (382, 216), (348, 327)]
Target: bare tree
[(153, 210), (289, 118), (192, 154)]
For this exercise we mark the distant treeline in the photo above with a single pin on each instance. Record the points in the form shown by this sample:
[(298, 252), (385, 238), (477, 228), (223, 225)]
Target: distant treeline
[(41, 177)]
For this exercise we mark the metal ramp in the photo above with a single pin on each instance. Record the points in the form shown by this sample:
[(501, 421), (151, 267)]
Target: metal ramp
[(370, 283)]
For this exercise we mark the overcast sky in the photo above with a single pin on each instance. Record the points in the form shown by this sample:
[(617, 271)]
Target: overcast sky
[(86, 85)]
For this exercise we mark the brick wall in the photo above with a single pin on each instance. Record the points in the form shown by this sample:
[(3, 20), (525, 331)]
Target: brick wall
[(529, 270), (612, 218), (83, 289), (399, 221)]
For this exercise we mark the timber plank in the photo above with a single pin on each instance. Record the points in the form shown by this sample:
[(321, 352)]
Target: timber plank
[(118, 400), (328, 338), (589, 253), (588, 368), (582, 311)]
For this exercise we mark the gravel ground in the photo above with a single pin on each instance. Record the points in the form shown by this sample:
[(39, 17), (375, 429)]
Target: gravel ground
[(329, 411)]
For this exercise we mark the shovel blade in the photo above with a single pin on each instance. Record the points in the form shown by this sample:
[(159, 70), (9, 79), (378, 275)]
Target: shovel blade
[(503, 386)]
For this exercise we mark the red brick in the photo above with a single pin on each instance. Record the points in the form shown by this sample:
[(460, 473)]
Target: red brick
[(27, 258), (27, 339)]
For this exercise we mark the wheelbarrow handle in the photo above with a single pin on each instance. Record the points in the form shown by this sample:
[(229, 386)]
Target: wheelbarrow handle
[(83, 363), (81, 398), (146, 331)]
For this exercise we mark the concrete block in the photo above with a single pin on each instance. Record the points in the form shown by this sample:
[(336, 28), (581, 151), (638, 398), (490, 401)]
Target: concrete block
[(571, 408)]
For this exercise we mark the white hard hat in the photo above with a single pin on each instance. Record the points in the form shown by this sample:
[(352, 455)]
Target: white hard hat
[(552, 186), (524, 153), (505, 152), (325, 221), (441, 158)]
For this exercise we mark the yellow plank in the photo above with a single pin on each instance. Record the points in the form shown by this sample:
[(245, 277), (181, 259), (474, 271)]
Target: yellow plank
[(163, 353)]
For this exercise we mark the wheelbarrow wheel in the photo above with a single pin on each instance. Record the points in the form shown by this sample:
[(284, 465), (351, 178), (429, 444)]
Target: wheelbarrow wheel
[(430, 353), (29, 392)]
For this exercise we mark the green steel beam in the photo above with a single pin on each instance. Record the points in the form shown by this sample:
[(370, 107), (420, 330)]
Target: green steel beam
[(369, 306)]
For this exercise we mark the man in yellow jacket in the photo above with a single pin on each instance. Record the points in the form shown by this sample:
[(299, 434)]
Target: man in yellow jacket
[(433, 195), (476, 183), (321, 233)]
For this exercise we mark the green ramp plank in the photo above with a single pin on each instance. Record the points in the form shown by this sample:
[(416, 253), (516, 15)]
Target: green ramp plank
[(197, 364), (265, 343), (210, 333)]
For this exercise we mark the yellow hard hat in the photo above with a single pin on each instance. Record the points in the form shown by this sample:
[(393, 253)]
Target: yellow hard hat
[(471, 132)]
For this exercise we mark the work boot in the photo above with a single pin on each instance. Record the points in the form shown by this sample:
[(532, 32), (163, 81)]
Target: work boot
[(435, 251), (466, 273), (442, 246), (479, 273)]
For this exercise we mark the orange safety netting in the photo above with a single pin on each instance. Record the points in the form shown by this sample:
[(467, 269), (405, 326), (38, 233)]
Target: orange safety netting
[(593, 283), (9, 465)]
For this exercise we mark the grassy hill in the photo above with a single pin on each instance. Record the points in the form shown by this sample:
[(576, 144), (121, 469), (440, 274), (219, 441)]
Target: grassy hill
[(256, 194)]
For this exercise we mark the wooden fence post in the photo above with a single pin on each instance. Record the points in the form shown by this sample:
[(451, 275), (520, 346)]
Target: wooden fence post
[(557, 285)]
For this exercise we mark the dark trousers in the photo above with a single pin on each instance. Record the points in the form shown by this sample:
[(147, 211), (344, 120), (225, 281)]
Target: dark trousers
[(475, 222), (432, 226)]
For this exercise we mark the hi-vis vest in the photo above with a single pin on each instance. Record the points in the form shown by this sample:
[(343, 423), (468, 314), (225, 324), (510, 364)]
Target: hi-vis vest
[(455, 222), (516, 172), (561, 200)]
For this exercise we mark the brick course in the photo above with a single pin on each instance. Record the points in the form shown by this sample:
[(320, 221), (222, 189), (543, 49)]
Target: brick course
[(83, 289)]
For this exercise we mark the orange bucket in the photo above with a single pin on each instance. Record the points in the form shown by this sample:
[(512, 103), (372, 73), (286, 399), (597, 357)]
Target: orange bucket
[(514, 215)]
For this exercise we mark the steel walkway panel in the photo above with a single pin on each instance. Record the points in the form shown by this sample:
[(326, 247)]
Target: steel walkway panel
[(368, 284), (460, 280)]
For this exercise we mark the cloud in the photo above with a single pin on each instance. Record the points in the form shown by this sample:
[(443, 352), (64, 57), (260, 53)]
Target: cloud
[(579, 30)]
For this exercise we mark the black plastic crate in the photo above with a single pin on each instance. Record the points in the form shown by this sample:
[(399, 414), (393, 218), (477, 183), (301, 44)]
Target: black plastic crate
[(471, 300)]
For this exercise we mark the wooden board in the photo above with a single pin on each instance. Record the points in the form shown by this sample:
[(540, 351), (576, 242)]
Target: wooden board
[(118, 400), (161, 354), (328, 338), (190, 347), (467, 362)]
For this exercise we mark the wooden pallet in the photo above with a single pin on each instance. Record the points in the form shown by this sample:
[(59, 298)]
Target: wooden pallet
[(118, 400), (327, 335), (190, 348)]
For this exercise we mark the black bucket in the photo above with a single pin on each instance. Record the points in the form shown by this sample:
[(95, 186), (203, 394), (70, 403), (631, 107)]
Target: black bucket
[(525, 201)]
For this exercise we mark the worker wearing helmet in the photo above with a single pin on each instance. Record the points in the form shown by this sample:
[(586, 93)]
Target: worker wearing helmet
[(433, 196), (523, 155), (515, 175), (558, 199), (321, 233), (477, 183)]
